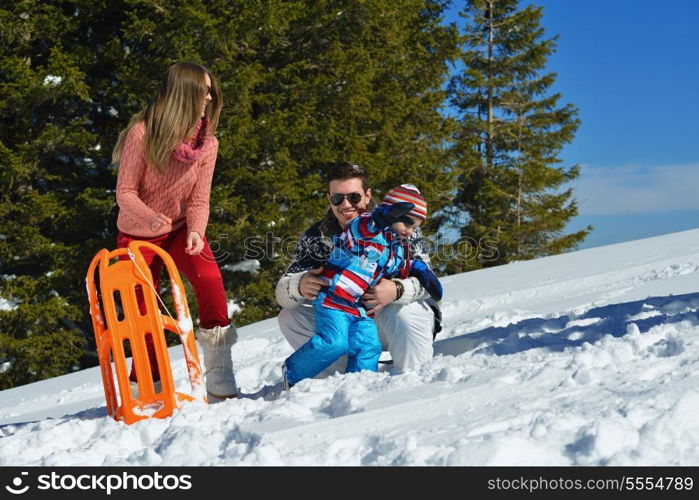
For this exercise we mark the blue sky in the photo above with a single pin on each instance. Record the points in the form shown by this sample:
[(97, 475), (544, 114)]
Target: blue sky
[(631, 67)]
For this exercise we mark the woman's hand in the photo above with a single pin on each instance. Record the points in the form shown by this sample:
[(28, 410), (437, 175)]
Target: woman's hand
[(158, 221), (195, 244)]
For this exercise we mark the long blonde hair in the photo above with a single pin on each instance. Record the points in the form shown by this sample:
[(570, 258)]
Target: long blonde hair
[(174, 113)]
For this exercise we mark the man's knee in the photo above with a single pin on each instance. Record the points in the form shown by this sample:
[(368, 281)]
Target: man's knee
[(412, 320), (296, 325), (406, 331)]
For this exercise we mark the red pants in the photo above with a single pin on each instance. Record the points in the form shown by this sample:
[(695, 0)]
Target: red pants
[(202, 272)]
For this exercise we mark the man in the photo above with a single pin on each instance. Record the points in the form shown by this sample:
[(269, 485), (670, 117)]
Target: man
[(406, 317)]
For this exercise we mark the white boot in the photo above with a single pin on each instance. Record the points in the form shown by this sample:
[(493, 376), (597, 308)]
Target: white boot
[(216, 346)]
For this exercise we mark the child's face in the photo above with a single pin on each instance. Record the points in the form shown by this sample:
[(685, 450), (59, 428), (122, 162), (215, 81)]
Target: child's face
[(405, 226)]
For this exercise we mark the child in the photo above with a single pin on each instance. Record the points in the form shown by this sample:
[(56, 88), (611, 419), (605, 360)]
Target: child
[(368, 249)]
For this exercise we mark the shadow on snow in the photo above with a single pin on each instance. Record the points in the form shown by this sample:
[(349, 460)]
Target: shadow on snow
[(556, 334)]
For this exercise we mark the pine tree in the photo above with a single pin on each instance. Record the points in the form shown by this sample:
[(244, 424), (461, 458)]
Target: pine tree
[(346, 80), (46, 169), (512, 130), (304, 83)]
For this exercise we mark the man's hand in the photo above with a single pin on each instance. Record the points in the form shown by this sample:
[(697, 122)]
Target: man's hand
[(311, 283), (379, 296), (195, 244)]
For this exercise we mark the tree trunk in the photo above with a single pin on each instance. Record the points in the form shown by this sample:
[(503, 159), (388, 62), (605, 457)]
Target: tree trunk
[(489, 139)]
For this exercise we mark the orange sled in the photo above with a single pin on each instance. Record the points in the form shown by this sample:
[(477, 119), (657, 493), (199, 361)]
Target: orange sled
[(118, 284)]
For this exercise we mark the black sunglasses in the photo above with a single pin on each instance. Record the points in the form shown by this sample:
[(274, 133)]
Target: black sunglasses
[(337, 198), (407, 220)]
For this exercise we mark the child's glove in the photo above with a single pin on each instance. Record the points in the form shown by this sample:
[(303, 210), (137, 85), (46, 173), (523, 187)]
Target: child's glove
[(427, 279), (386, 215)]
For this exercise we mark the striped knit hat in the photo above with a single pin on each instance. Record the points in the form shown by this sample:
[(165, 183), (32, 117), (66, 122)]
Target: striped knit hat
[(410, 193)]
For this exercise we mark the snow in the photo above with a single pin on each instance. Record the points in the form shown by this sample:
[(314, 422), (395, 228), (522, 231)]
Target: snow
[(8, 305), (233, 308), (251, 266), (52, 80), (586, 358)]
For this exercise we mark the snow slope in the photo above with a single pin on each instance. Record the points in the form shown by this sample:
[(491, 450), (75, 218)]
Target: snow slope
[(586, 358)]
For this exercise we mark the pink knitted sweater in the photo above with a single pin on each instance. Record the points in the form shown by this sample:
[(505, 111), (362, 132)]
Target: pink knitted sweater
[(181, 193)]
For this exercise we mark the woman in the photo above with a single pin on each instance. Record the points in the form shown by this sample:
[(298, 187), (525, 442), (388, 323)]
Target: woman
[(166, 160)]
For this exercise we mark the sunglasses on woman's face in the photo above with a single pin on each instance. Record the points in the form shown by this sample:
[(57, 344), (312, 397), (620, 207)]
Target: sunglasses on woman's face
[(337, 198)]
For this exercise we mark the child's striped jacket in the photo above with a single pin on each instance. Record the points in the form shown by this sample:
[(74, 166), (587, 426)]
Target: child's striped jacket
[(362, 254)]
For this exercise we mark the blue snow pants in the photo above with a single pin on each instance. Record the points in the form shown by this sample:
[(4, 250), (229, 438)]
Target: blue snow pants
[(337, 333)]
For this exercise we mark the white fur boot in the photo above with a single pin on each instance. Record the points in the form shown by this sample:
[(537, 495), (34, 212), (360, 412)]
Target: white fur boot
[(216, 346)]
